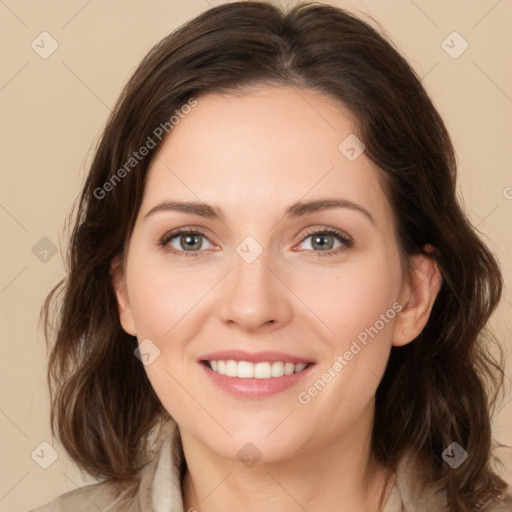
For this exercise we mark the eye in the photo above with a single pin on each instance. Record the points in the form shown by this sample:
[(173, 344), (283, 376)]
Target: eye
[(190, 243), (184, 242), (323, 242)]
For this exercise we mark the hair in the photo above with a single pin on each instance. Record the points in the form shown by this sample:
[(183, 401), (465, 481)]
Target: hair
[(440, 388)]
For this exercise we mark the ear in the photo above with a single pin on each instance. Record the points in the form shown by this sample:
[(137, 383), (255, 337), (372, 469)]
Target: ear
[(121, 291), (417, 297)]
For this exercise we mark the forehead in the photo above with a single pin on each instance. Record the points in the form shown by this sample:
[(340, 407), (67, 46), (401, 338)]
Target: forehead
[(266, 147)]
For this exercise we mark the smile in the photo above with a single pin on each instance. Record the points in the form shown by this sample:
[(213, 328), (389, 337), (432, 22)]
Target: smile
[(261, 370)]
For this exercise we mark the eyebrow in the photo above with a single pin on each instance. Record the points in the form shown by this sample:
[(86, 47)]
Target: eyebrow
[(298, 209)]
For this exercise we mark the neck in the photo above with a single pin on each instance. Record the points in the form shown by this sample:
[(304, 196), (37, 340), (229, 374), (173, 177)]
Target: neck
[(339, 475)]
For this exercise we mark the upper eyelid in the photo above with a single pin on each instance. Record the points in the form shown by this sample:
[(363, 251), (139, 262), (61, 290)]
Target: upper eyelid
[(330, 231)]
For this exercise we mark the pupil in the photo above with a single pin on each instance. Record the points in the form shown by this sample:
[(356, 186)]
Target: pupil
[(317, 240), (189, 239)]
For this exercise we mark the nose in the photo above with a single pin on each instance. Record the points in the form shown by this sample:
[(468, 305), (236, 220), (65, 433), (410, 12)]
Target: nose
[(254, 297)]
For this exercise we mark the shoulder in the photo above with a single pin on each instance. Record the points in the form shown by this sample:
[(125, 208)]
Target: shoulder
[(108, 495), (111, 495), (418, 496), (127, 496)]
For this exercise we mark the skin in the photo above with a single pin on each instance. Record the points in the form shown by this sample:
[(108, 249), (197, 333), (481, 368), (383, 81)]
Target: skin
[(252, 155)]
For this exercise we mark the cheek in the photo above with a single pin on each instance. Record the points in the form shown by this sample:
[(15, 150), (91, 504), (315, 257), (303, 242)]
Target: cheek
[(360, 306), (163, 297), (357, 299), (163, 309)]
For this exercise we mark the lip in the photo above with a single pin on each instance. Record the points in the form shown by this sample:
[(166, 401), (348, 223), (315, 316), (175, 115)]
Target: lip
[(255, 357), (254, 388)]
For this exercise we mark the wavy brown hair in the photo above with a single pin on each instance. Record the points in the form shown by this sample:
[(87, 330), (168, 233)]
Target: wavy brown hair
[(438, 389)]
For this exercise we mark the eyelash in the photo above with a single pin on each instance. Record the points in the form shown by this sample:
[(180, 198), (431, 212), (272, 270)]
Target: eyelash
[(346, 241)]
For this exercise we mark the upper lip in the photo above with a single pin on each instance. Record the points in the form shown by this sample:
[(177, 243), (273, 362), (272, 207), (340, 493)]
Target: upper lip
[(253, 357)]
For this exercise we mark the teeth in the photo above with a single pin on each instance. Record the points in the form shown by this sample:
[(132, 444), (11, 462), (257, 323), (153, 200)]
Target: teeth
[(262, 371), (231, 369), (247, 370), (289, 368)]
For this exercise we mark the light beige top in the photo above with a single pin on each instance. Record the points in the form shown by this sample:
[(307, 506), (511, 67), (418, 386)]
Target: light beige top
[(159, 490)]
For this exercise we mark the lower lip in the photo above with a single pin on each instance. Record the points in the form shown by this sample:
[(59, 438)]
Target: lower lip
[(255, 388)]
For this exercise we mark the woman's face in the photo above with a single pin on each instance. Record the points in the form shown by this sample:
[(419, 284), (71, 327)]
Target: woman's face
[(271, 275)]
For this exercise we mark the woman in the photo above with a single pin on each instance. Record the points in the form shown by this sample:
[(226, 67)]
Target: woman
[(274, 299)]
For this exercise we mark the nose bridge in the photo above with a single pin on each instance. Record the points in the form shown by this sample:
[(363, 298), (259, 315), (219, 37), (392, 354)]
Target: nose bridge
[(253, 297)]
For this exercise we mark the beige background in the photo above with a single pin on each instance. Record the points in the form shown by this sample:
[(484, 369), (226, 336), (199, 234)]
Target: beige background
[(54, 109)]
